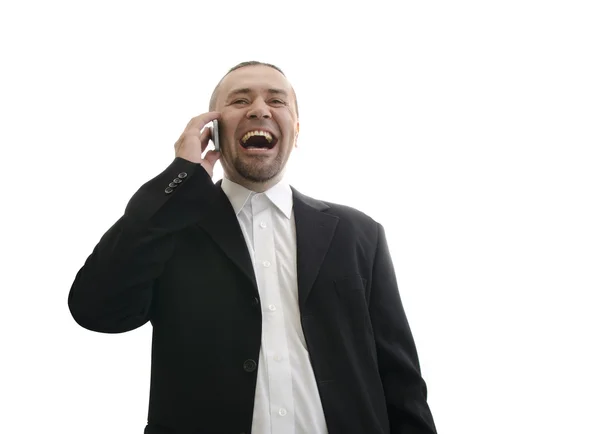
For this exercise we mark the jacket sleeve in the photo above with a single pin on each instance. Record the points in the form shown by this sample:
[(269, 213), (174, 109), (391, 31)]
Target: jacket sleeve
[(405, 389), (112, 292)]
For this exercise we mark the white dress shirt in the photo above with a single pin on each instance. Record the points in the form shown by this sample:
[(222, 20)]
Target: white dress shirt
[(286, 400)]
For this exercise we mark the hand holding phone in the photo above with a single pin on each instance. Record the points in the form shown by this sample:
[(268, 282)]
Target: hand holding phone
[(194, 140)]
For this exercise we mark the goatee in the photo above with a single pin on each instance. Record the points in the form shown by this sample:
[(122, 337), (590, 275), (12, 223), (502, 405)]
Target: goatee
[(254, 170)]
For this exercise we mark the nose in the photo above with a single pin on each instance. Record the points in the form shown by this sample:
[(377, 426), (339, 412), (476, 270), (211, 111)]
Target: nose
[(259, 110)]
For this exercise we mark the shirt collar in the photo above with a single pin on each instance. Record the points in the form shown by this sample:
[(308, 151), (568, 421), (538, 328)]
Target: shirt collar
[(280, 195)]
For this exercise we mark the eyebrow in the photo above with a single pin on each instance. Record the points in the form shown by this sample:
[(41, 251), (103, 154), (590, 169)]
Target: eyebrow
[(247, 90)]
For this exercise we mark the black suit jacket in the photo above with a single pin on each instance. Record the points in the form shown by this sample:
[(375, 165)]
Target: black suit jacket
[(179, 260)]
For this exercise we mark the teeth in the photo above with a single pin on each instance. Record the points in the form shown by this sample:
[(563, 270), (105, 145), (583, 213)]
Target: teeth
[(257, 133)]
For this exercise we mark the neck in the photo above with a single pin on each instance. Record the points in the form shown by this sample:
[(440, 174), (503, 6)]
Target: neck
[(258, 187)]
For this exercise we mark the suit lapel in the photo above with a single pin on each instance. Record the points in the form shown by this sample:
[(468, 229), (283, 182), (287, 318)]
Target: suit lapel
[(221, 224), (314, 232)]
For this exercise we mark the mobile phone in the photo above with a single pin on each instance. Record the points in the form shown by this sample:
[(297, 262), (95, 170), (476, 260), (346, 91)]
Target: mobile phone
[(215, 135)]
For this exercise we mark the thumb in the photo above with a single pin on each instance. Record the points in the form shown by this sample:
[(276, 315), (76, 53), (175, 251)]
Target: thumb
[(212, 157)]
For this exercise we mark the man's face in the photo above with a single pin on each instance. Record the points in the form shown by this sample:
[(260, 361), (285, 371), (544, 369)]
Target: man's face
[(259, 99)]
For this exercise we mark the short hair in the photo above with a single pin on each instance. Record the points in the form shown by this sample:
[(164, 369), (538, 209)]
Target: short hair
[(213, 97)]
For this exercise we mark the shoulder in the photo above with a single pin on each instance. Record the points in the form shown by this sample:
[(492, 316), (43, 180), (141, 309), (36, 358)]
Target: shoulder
[(349, 217), (349, 213)]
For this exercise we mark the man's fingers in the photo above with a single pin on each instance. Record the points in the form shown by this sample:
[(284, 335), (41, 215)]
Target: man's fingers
[(194, 140), (197, 123), (212, 157), (205, 136)]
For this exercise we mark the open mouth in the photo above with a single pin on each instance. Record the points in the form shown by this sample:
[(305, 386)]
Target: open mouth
[(258, 139)]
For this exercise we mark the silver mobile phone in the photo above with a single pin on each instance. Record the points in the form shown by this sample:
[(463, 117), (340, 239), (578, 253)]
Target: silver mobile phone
[(215, 135)]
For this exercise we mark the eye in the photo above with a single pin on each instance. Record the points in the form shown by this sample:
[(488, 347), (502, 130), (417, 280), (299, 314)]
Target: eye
[(278, 101), (239, 101)]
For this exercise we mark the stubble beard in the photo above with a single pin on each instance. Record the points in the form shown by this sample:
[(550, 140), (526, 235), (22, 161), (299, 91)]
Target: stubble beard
[(256, 169)]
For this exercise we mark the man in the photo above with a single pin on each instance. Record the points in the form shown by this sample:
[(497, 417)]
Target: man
[(272, 312)]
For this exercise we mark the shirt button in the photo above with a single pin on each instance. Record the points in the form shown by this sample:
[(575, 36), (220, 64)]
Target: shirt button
[(278, 358), (267, 264), (272, 307), (249, 365), (282, 412), (263, 225)]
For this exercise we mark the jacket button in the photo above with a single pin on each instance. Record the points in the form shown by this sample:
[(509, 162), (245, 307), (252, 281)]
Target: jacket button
[(255, 302), (168, 190), (173, 184), (249, 365), (177, 181), (182, 175)]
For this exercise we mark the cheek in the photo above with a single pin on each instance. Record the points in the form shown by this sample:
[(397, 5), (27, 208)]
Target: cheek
[(227, 127), (286, 122)]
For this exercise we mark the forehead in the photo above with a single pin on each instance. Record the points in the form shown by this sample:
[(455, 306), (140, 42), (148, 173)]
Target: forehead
[(257, 78)]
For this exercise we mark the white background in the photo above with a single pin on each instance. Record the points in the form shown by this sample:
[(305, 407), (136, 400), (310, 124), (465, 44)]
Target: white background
[(469, 129)]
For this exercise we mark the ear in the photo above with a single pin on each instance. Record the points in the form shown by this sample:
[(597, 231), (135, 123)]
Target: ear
[(297, 132)]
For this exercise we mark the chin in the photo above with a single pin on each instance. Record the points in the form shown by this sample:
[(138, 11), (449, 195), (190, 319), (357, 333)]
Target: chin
[(257, 174)]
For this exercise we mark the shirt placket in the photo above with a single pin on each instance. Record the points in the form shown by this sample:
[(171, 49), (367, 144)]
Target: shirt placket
[(274, 338)]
